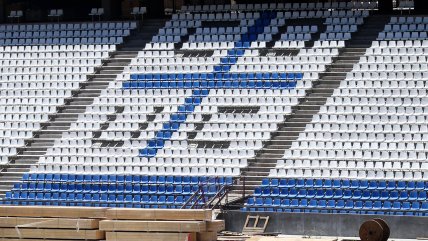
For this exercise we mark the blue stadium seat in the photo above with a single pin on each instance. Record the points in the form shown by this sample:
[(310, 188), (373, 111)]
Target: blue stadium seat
[(283, 192)]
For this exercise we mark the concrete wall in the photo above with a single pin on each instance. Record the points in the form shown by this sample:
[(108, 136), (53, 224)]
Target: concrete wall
[(344, 225)]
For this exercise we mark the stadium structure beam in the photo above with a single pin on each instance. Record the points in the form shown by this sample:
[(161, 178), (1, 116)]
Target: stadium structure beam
[(385, 6), (421, 6)]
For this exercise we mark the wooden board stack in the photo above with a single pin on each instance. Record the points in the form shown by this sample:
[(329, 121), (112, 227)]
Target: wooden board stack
[(160, 225), (37, 223), (34, 223)]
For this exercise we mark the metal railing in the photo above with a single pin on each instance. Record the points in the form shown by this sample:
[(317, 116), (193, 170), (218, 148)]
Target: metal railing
[(201, 200)]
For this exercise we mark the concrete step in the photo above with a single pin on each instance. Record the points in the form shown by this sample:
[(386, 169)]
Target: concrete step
[(41, 144), (49, 136), (6, 187), (57, 128), (114, 66), (341, 70), (31, 152), (99, 75), (117, 62), (295, 124), (257, 173), (327, 87), (21, 165), (81, 103), (17, 169), (11, 176), (66, 115), (305, 110), (111, 71), (96, 87), (275, 155), (53, 123), (328, 77), (327, 90), (310, 106), (74, 110), (89, 94), (304, 115), (330, 81), (26, 161), (36, 149), (311, 98), (260, 161)]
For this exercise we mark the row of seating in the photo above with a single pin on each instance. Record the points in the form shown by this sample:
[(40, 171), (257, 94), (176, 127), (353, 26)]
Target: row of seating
[(22, 51), (366, 118), (217, 76), (113, 188), (65, 34), (183, 24), (279, 14), (348, 184), (22, 28), (393, 59), (341, 194), (409, 20), (340, 206), (95, 200), (209, 84), (344, 21), (374, 128), (144, 170), (363, 136), (383, 93), (227, 61), (62, 41), (280, 6), (403, 35), (400, 47), (405, 27), (387, 165)]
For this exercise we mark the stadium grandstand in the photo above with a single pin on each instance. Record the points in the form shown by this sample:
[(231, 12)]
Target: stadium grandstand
[(307, 112)]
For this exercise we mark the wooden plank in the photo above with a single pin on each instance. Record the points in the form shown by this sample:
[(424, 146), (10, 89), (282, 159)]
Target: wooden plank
[(206, 236), (153, 226), (57, 212), (215, 226), (17, 239), (51, 233), (62, 223), (262, 238), (134, 236), (159, 214)]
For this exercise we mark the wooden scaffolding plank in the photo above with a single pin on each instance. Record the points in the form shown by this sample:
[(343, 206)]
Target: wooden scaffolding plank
[(206, 236), (17, 239), (135, 236), (62, 223), (51, 233), (159, 214), (153, 226), (58, 212), (215, 226)]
